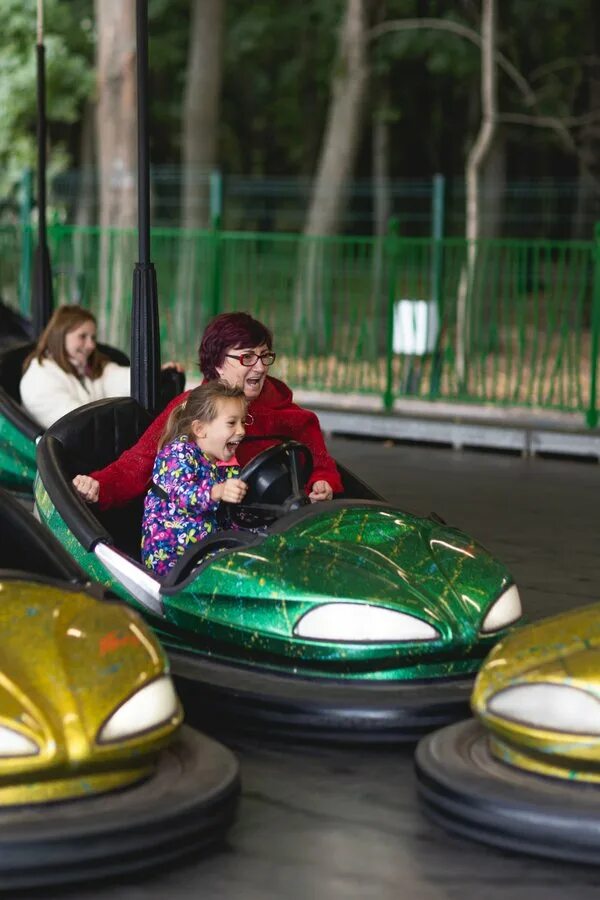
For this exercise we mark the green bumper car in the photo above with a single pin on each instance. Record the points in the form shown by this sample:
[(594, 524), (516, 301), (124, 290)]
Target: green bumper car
[(347, 620), (18, 431)]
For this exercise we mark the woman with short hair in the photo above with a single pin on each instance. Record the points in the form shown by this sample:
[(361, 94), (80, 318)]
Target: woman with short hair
[(238, 349)]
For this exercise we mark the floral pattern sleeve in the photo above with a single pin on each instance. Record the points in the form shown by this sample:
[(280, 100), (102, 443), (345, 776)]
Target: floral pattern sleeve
[(187, 479), (178, 509)]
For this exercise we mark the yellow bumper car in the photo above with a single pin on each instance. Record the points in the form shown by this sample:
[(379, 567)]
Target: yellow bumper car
[(525, 774), (97, 776)]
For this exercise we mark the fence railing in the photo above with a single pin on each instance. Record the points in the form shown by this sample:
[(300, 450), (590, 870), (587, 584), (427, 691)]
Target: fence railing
[(505, 322)]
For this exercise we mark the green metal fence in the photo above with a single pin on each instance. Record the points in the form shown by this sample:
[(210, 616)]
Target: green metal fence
[(511, 323)]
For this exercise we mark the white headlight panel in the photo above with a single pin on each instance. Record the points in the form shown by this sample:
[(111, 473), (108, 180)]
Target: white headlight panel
[(153, 705), (556, 707), (13, 743), (362, 623), (505, 611)]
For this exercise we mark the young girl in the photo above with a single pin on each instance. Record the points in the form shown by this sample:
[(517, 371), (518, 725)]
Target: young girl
[(188, 482)]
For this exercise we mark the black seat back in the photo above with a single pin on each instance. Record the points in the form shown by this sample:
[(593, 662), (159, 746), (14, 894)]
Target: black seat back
[(171, 384), (29, 547), (84, 440), (11, 368), (14, 327)]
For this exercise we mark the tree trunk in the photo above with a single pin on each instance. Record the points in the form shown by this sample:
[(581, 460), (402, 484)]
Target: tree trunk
[(200, 140), (344, 123), (338, 152), (85, 212), (493, 188), (200, 126), (116, 129), (475, 161)]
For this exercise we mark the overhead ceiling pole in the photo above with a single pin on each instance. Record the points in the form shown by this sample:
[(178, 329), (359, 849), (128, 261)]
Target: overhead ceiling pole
[(42, 302), (145, 333)]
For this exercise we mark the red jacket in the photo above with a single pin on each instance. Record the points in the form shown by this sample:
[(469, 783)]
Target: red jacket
[(274, 412)]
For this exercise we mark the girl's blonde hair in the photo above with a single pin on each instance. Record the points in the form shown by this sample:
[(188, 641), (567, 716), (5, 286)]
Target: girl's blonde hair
[(202, 405), (51, 342)]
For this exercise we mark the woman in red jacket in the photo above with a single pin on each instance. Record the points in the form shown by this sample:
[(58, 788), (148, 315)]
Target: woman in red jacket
[(237, 349)]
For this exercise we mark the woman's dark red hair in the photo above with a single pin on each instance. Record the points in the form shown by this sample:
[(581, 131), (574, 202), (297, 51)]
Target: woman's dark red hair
[(230, 330)]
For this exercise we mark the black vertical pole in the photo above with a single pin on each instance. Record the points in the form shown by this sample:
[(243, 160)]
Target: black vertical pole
[(41, 294), (145, 334)]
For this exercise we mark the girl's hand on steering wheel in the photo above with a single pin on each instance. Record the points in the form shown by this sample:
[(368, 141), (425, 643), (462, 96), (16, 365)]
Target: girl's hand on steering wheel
[(321, 490), (231, 491)]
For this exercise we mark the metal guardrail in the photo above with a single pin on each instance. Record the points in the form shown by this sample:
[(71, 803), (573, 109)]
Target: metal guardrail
[(502, 322)]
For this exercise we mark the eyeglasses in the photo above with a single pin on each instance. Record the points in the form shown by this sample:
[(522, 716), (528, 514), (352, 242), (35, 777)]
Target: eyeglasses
[(250, 358)]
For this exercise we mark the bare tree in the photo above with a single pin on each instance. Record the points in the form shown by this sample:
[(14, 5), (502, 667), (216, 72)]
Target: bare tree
[(483, 148), (475, 161)]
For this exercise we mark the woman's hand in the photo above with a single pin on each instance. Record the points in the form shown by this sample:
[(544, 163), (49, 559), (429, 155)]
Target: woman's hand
[(321, 490), (87, 487), (231, 491), (173, 364)]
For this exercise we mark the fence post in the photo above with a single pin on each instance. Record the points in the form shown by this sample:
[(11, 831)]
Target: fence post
[(437, 235), (592, 412), (216, 184), (216, 198), (26, 198), (392, 252)]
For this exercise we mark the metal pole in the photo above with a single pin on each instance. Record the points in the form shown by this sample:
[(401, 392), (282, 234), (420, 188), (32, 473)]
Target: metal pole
[(145, 331), (41, 296)]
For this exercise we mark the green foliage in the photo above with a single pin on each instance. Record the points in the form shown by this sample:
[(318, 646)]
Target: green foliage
[(278, 64), (69, 79)]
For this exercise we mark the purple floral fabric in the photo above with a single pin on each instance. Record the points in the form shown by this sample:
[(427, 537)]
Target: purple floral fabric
[(186, 476)]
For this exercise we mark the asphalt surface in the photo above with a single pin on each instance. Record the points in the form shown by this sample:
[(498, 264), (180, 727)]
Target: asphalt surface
[(344, 823)]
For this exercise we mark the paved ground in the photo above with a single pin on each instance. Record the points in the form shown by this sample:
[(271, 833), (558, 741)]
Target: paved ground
[(344, 824)]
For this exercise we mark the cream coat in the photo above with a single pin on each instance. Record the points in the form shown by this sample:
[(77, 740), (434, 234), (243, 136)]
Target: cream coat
[(48, 392)]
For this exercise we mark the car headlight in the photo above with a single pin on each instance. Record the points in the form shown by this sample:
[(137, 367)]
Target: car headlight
[(151, 706), (363, 623), (557, 707), (13, 743), (505, 611)]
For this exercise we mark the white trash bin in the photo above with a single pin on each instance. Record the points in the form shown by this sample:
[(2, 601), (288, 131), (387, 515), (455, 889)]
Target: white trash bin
[(416, 327)]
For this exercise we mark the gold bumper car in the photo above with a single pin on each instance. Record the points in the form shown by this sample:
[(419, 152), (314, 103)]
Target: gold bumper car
[(525, 774), (97, 776)]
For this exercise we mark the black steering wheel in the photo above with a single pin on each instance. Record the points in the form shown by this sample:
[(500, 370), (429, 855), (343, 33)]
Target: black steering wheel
[(276, 480)]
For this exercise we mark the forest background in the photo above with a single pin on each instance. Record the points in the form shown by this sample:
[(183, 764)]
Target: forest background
[(248, 90), (406, 190)]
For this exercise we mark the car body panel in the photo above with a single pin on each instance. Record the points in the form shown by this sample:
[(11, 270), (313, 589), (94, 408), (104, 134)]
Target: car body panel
[(67, 663), (563, 650), (17, 458), (242, 606)]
